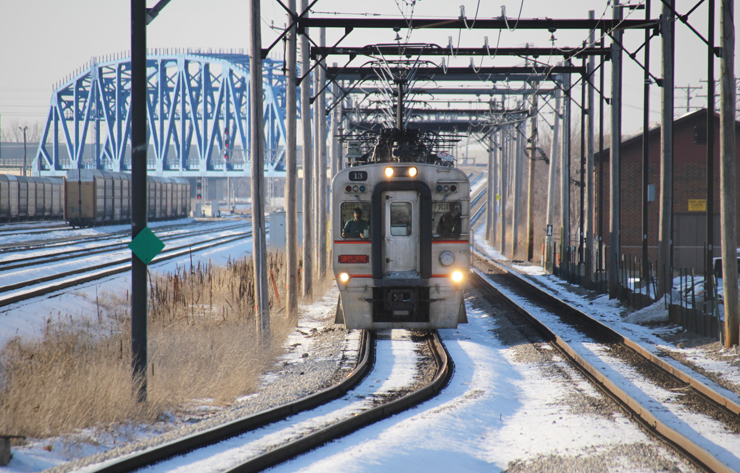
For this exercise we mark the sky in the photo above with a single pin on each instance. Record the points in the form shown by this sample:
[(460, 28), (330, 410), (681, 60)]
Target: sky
[(44, 41)]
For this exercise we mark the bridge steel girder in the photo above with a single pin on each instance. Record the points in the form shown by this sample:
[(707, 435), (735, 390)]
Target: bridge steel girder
[(192, 98)]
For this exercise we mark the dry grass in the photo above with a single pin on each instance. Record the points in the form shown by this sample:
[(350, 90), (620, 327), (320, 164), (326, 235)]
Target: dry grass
[(202, 344)]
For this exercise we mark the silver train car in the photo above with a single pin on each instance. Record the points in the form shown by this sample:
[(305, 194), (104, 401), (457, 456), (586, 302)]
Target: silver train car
[(95, 197), (401, 244), (31, 198)]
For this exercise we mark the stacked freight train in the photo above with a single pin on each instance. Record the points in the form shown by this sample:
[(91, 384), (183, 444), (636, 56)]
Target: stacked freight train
[(95, 197), (31, 198)]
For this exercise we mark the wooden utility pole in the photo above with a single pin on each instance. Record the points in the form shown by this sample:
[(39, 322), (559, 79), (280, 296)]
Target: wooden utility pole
[(665, 276), (257, 152), (139, 274), (728, 172), (614, 158), (291, 175), (307, 160), (532, 160), (552, 177)]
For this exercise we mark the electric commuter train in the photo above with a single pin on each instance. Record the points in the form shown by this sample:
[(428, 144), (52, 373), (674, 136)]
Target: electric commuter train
[(402, 261)]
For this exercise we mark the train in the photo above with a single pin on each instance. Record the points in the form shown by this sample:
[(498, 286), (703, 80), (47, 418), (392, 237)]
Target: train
[(94, 197), (31, 198), (401, 239)]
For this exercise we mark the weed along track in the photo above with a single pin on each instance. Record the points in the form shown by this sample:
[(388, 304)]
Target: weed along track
[(670, 404), (396, 370)]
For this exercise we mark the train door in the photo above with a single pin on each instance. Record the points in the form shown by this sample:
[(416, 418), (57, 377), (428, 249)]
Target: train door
[(401, 233)]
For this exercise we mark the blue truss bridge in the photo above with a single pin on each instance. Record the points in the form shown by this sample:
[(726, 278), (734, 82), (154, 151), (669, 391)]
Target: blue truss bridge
[(198, 116)]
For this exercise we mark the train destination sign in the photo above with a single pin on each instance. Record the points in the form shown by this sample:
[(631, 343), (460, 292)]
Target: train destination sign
[(146, 246), (358, 176)]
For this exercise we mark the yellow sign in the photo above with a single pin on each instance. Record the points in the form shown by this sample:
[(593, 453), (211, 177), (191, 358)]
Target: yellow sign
[(697, 205)]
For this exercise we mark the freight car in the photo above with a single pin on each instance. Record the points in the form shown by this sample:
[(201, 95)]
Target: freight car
[(95, 197), (30, 198)]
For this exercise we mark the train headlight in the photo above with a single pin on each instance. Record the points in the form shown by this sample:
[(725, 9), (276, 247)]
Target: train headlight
[(412, 172), (446, 258), (344, 277), (388, 172), (457, 276)]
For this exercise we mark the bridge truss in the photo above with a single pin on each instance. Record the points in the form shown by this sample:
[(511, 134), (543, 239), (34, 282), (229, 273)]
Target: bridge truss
[(198, 116)]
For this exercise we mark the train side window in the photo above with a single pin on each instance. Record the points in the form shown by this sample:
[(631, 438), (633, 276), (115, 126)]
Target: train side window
[(447, 222), (355, 224), (401, 218)]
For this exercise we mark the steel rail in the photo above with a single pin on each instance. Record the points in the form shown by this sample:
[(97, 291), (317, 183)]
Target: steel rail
[(351, 424), (639, 412), (246, 424)]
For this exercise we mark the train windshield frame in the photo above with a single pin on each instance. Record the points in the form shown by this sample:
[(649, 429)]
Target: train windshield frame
[(352, 229)]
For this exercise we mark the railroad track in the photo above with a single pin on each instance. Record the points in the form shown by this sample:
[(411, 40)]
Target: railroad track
[(30, 288), (673, 406), (370, 393)]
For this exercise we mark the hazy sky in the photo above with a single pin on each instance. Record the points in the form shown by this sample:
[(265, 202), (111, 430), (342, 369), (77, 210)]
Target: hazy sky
[(44, 41)]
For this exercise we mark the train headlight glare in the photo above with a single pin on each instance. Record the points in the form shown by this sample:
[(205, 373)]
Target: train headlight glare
[(457, 276), (344, 277), (412, 172), (389, 172)]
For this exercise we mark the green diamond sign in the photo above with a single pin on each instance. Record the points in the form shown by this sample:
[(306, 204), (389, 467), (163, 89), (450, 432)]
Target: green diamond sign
[(146, 246)]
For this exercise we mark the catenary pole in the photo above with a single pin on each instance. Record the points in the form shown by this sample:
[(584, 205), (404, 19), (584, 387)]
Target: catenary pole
[(565, 169), (491, 189), (307, 161), (321, 160), (506, 147), (728, 172), (257, 152), (138, 197), (552, 176), (614, 158), (517, 190), (291, 175), (710, 158), (532, 160), (590, 158), (646, 152), (667, 31)]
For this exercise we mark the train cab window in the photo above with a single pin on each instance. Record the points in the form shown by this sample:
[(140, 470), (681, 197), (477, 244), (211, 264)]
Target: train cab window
[(355, 220), (447, 222), (401, 218)]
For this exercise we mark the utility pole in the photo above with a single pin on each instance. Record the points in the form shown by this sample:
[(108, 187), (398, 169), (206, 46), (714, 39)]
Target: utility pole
[(590, 159), (491, 189), (645, 276), (138, 197), (552, 178), (728, 172), (532, 160), (665, 276), (708, 283), (291, 175), (257, 151), (565, 170), (517, 165), (307, 160), (506, 146), (614, 159), (23, 129), (334, 146), (688, 87), (321, 159)]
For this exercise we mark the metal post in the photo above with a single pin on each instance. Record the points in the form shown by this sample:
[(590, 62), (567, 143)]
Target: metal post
[(602, 102), (614, 159), (582, 175), (710, 155), (291, 176), (728, 172), (644, 276), (307, 161), (138, 197), (565, 166), (257, 151), (321, 161), (666, 147), (532, 161), (590, 160), (552, 176)]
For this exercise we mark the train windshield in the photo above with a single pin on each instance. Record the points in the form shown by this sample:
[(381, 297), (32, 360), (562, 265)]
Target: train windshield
[(447, 223), (355, 219), (401, 218)]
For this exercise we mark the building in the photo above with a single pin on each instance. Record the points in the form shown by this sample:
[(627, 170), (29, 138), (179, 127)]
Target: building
[(689, 191)]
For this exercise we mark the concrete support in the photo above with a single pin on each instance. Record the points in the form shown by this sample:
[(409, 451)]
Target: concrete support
[(291, 176)]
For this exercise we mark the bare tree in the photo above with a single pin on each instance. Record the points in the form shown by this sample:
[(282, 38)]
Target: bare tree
[(13, 133)]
